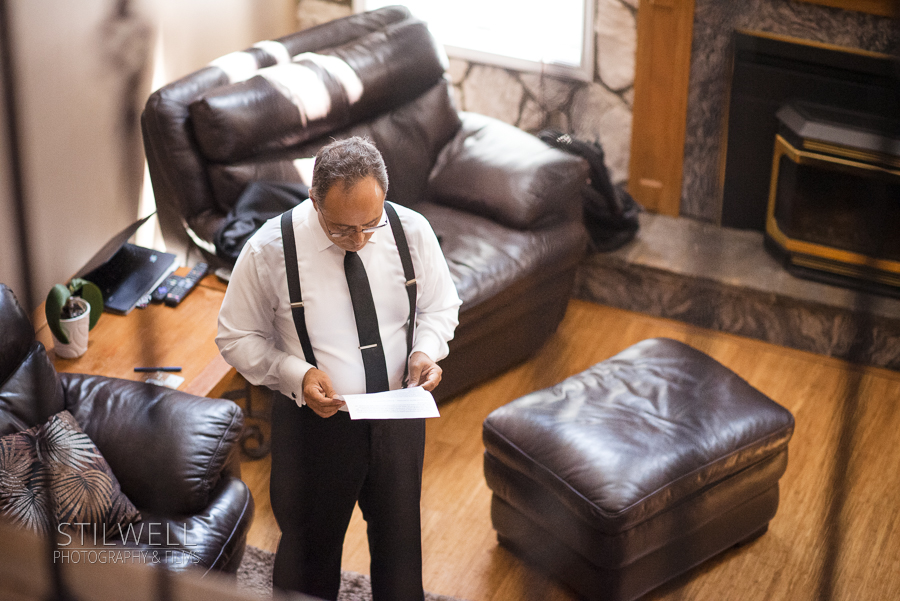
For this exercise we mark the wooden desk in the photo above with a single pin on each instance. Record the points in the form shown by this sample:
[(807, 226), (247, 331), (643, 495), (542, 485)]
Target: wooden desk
[(158, 335)]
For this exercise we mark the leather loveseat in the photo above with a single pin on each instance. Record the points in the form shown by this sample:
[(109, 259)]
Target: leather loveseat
[(174, 454), (505, 206)]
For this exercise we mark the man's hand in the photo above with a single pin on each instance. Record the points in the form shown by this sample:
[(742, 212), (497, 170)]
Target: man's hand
[(423, 371), (319, 393)]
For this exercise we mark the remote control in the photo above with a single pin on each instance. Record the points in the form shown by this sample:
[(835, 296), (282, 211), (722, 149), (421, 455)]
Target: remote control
[(143, 301), (181, 289), (159, 295)]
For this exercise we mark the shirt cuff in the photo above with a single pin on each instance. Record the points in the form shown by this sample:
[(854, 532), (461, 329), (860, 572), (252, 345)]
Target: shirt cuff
[(293, 370), (431, 345)]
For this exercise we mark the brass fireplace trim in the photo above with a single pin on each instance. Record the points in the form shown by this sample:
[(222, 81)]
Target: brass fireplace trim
[(818, 256), (879, 158), (780, 37)]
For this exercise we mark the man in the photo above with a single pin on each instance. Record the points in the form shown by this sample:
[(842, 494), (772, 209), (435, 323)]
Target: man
[(322, 462)]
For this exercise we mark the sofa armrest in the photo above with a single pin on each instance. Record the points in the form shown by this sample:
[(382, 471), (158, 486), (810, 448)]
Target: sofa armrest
[(168, 449), (498, 171), (212, 539)]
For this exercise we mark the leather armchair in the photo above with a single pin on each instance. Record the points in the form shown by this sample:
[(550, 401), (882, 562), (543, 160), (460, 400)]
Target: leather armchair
[(505, 206), (174, 454)]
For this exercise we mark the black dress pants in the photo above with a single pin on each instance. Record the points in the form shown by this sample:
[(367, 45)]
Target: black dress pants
[(320, 468)]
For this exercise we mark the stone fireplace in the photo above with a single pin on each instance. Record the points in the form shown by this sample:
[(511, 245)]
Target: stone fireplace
[(708, 265), (829, 113), (713, 48), (833, 207)]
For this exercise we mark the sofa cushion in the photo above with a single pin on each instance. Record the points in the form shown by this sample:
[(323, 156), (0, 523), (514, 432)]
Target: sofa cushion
[(499, 171), (410, 137), (486, 258), (167, 448), (18, 334), (341, 31), (57, 462), (31, 394), (178, 170), (317, 93)]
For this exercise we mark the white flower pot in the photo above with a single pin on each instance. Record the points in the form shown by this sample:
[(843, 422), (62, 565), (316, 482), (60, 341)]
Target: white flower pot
[(76, 329)]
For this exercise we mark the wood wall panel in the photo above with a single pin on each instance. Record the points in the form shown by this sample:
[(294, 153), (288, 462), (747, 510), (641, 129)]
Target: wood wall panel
[(665, 29)]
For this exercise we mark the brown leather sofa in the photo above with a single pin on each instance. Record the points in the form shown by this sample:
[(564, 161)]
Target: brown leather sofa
[(174, 454), (505, 206)]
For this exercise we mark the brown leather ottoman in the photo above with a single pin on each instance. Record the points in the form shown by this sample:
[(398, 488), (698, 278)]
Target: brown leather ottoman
[(635, 470)]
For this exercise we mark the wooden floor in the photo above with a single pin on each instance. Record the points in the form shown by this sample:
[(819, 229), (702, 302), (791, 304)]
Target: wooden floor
[(837, 529)]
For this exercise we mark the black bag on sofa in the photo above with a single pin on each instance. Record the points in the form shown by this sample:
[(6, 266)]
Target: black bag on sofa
[(259, 202), (610, 212)]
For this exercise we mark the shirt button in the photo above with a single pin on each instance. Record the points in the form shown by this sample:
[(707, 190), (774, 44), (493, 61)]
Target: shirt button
[(294, 395)]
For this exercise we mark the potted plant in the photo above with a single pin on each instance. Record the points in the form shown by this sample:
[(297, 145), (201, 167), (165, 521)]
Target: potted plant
[(72, 311)]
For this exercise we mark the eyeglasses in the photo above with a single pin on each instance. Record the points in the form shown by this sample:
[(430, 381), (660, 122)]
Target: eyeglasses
[(347, 231)]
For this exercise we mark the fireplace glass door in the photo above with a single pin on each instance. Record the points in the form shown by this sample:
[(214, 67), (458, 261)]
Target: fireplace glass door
[(834, 211)]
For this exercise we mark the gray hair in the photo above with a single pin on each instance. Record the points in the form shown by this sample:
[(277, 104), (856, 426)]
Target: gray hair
[(347, 162)]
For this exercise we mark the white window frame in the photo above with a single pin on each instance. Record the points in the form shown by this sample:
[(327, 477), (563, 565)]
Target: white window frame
[(582, 72)]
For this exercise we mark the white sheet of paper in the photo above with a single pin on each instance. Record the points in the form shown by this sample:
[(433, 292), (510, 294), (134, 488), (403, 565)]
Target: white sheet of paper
[(406, 403), (164, 379)]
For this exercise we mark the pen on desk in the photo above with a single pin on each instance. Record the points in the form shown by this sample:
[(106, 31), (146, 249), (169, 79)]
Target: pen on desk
[(151, 369)]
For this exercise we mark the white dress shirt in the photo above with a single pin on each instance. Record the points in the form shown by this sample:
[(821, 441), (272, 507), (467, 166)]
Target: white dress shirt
[(256, 331)]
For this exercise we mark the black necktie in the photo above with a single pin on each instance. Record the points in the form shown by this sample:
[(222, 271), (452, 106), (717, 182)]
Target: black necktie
[(366, 324)]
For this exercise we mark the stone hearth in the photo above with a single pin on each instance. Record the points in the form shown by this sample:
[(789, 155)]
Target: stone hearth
[(723, 279)]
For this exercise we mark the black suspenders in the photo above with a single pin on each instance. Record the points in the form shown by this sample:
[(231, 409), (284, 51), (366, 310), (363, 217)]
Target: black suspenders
[(293, 279), (410, 274)]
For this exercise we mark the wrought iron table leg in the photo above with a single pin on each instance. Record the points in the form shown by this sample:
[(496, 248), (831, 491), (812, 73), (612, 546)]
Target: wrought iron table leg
[(260, 446)]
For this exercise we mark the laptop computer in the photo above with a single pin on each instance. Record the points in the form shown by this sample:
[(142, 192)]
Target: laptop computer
[(125, 272)]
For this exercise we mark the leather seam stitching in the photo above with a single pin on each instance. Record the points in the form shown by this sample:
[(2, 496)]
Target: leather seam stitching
[(217, 453), (231, 534)]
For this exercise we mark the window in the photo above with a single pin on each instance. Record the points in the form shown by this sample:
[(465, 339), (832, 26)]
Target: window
[(527, 35)]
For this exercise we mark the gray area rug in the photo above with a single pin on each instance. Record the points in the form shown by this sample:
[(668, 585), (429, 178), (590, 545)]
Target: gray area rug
[(255, 574)]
